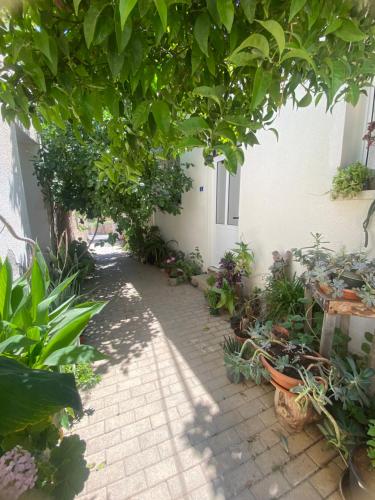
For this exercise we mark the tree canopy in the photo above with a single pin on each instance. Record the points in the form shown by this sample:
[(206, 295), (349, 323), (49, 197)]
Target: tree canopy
[(71, 176), (179, 74)]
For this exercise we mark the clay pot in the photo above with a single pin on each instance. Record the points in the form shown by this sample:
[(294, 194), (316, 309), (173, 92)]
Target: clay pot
[(347, 294), (289, 412), (279, 378)]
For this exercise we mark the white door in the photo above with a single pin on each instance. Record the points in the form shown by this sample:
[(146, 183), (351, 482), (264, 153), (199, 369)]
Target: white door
[(227, 200)]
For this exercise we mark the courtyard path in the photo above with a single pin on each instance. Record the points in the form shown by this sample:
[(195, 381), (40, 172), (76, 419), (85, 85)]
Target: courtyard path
[(165, 422)]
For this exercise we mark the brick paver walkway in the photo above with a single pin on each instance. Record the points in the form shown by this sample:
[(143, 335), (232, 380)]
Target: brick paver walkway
[(166, 423)]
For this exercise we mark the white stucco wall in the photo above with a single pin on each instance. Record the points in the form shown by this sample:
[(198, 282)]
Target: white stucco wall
[(190, 227), (20, 199)]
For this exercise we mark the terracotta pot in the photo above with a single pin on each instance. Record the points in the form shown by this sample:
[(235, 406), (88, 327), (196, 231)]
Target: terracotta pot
[(241, 340), (289, 412), (279, 378), (278, 329), (347, 294)]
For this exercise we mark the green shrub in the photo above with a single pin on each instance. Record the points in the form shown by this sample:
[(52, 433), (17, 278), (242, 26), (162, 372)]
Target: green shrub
[(349, 181), (84, 374)]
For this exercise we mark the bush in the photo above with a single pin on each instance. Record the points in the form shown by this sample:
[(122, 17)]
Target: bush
[(350, 181)]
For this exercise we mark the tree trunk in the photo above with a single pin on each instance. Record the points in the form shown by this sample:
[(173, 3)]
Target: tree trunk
[(64, 223)]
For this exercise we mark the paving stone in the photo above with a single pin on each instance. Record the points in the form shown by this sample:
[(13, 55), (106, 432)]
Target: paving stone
[(272, 459), (322, 452), (326, 480), (299, 469), (122, 450), (273, 486), (158, 492), (139, 461), (304, 491), (161, 471), (128, 487)]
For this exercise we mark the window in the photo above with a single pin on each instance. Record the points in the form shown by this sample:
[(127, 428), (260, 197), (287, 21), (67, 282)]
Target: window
[(221, 189)]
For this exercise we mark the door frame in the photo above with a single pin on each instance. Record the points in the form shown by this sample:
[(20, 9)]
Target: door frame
[(212, 210)]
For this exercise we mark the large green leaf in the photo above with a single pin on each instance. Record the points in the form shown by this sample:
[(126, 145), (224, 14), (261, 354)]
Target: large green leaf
[(209, 92), (202, 31), (276, 31), (15, 344), (76, 4), (5, 289), (249, 8), (243, 59), (295, 7), (349, 32), (262, 81), (43, 306), (125, 8), (73, 355), (140, 114), (162, 115), (193, 125), (69, 327), (38, 288), (299, 54), (226, 13), (91, 19), (162, 9), (257, 41), (28, 396)]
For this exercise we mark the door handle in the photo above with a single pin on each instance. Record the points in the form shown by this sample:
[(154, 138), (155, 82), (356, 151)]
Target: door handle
[(235, 218)]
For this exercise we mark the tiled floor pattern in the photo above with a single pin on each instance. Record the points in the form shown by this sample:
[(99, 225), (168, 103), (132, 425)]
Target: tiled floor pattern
[(166, 423)]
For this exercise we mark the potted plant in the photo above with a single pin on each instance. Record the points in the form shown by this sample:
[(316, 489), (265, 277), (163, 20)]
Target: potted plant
[(350, 180), (234, 360), (341, 275)]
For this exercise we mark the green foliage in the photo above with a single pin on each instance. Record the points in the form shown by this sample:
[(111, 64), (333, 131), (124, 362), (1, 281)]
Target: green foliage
[(29, 396), (244, 258), (147, 244), (227, 296), (371, 442), (190, 265), (34, 329), (84, 374), (153, 65), (62, 469), (350, 181), (284, 297)]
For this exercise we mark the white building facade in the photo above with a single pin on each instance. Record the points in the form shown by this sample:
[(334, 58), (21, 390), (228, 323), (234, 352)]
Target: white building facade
[(21, 201)]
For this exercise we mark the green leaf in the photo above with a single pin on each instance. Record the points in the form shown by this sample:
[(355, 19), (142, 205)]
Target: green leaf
[(369, 336), (123, 35), (193, 125), (125, 8), (333, 26), (226, 13), (202, 31), (162, 9), (349, 32), (276, 31), (41, 40), (262, 81), (238, 120), (15, 343), (115, 62), (295, 7), (76, 4), (38, 288), (209, 92), (5, 289), (73, 355), (231, 164), (299, 54), (249, 7), (243, 59), (140, 114), (29, 396), (190, 143), (43, 306), (305, 101), (257, 41), (162, 115), (90, 20), (67, 328)]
